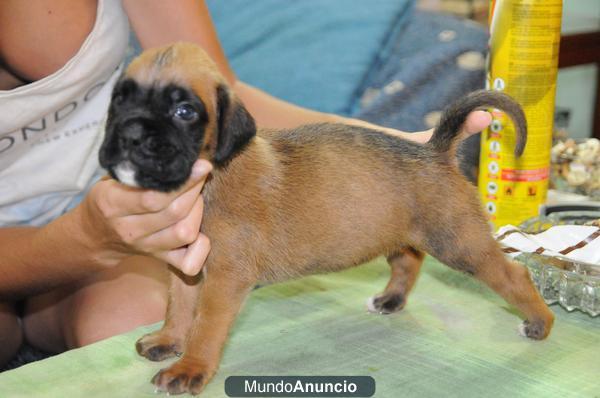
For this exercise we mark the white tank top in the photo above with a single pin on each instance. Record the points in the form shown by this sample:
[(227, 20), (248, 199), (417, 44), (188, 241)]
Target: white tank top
[(51, 129)]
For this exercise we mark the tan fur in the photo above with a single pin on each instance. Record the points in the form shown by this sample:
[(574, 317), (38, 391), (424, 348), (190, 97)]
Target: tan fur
[(281, 210)]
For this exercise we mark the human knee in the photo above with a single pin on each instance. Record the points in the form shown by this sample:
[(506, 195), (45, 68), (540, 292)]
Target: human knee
[(11, 334), (93, 325)]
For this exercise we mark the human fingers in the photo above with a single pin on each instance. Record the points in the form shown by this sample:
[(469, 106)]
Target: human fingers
[(118, 200), (140, 226), (181, 233), (189, 259), (476, 122)]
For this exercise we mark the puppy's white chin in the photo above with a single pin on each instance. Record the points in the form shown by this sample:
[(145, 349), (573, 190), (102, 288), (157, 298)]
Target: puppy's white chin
[(125, 173)]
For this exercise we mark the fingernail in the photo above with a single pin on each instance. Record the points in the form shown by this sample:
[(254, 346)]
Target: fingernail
[(201, 168), (190, 270)]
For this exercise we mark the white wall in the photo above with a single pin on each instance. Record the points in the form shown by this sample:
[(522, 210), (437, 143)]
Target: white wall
[(576, 86)]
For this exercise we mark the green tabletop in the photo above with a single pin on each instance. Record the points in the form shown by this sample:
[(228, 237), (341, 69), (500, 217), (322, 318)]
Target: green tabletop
[(455, 338)]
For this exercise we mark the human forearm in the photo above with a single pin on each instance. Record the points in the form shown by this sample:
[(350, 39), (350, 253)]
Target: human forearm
[(271, 112), (158, 22), (111, 223), (35, 259)]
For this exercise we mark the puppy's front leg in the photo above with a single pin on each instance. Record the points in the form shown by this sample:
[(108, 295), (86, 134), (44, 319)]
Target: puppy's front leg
[(222, 293), (169, 340)]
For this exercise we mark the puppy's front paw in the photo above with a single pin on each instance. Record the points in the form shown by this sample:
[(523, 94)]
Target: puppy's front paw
[(386, 303), (158, 346), (183, 376)]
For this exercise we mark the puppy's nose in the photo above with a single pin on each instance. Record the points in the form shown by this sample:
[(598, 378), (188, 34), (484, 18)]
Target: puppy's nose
[(131, 137)]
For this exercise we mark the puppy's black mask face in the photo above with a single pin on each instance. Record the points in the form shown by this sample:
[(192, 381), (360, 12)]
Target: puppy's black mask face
[(153, 135)]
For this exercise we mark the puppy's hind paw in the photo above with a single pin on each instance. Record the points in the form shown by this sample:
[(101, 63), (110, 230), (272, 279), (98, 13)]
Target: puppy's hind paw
[(157, 347), (536, 330), (386, 303)]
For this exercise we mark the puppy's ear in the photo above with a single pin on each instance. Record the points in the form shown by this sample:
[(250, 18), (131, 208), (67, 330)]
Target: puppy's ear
[(236, 126)]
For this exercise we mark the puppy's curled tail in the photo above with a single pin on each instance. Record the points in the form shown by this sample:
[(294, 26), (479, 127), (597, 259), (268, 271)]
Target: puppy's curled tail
[(445, 135)]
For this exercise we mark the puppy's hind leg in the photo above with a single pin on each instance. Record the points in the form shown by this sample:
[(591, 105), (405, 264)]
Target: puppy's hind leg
[(511, 280), (169, 340), (405, 266), (470, 248)]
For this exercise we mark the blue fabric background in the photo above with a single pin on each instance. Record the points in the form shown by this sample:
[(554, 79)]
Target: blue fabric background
[(313, 53)]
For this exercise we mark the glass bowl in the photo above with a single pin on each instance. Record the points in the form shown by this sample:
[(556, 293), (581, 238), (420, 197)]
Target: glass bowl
[(574, 285), (562, 215)]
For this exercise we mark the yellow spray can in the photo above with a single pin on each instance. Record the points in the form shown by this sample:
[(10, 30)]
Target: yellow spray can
[(522, 62)]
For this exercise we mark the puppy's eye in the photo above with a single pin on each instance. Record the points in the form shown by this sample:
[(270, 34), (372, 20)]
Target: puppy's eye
[(185, 112)]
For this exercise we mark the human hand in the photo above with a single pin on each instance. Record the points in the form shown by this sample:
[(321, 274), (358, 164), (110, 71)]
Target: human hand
[(121, 221), (476, 121)]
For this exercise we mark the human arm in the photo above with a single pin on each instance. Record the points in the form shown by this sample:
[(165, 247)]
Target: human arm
[(113, 222)]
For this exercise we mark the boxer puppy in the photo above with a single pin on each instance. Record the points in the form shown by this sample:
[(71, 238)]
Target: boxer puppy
[(283, 204)]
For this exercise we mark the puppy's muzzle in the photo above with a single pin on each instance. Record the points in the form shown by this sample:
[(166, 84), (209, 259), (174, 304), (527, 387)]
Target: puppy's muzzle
[(139, 141), (138, 153)]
